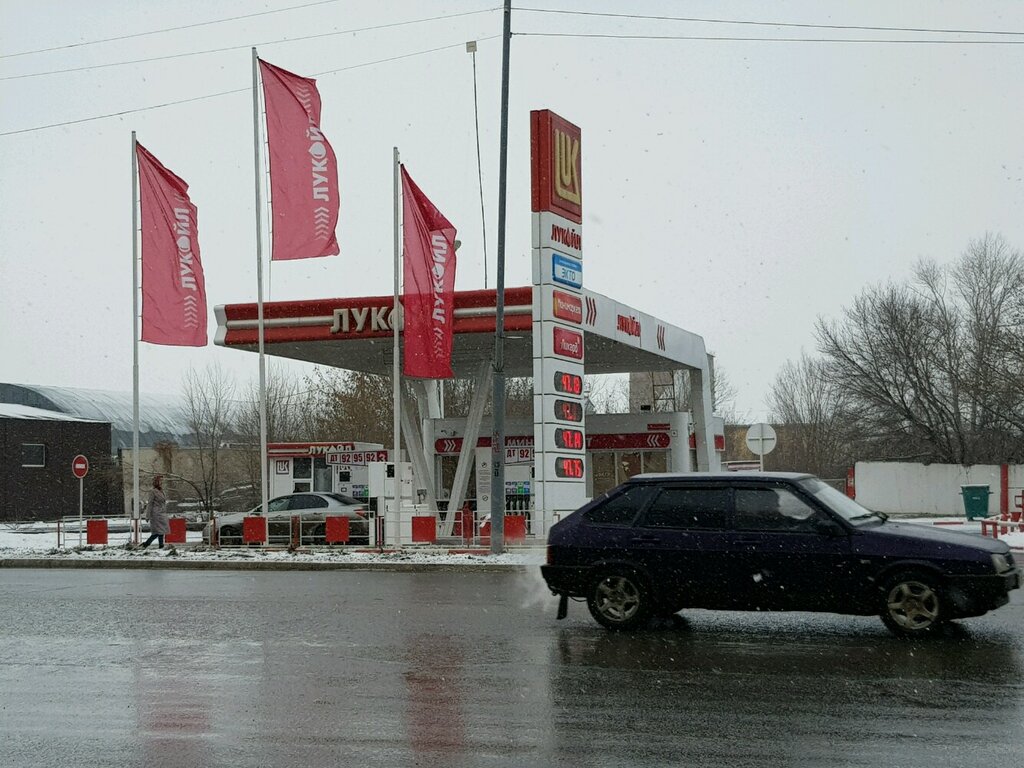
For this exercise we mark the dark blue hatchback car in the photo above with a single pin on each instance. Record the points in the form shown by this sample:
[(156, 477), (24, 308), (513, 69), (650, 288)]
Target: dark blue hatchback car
[(767, 541)]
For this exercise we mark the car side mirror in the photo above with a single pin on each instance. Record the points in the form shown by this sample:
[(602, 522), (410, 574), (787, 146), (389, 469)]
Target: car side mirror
[(829, 528)]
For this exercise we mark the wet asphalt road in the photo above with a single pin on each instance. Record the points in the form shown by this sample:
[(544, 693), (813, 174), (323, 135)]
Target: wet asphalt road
[(198, 668)]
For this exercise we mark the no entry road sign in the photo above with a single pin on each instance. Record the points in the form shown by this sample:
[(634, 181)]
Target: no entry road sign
[(80, 466)]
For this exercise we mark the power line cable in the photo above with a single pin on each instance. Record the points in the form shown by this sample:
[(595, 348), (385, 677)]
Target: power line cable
[(236, 90), (856, 27), (714, 38), (166, 29), (246, 46)]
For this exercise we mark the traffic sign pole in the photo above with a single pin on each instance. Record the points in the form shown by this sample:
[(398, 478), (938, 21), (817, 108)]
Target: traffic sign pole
[(81, 482), (80, 468)]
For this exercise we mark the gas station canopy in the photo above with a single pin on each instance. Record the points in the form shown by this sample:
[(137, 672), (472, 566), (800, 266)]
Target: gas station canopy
[(356, 334)]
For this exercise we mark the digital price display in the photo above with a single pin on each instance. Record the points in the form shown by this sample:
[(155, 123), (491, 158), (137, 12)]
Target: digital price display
[(569, 383), (569, 438), (568, 411), (571, 468)]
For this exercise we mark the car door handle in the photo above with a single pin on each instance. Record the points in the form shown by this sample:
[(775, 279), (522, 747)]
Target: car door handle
[(645, 540), (748, 541)]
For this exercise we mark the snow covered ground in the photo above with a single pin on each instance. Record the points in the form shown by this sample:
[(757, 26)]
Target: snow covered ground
[(18, 542)]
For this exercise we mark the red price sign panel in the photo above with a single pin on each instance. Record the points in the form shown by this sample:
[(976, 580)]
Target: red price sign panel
[(79, 466), (568, 467), (569, 383), (567, 343), (567, 410), (571, 439)]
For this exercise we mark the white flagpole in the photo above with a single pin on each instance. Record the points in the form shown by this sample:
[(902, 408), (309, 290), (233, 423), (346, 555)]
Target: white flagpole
[(396, 371), (136, 509), (259, 281)]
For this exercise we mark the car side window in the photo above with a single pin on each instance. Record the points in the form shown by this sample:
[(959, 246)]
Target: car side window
[(773, 509), (307, 501), (279, 504), (620, 509), (698, 508)]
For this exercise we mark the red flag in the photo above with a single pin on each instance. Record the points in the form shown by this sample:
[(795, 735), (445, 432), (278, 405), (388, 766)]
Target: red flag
[(429, 290), (173, 288), (303, 168)]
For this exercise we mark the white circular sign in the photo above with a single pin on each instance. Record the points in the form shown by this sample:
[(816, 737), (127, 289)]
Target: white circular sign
[(761, 439)]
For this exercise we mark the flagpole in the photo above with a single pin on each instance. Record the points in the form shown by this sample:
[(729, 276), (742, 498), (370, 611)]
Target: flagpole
[(396, 373), (136, 510), (259, 282)]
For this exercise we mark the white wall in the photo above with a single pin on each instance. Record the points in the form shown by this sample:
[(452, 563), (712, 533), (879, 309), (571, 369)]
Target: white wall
[(932, 489)]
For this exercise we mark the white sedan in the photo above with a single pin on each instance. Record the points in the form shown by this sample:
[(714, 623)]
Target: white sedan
[(312, 509)]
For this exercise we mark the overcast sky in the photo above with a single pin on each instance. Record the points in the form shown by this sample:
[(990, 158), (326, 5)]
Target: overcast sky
[(737, 189)]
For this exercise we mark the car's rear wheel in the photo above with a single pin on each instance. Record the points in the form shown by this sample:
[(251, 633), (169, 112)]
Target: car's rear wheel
[(230, 534), (619, 599), (913, 604)]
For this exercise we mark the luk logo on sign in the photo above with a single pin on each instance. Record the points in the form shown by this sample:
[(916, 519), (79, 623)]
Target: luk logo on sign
[(557, 165), (565, 306), (568, 343), (567, 159)]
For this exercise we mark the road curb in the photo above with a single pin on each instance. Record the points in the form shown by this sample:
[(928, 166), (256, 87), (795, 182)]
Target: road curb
[(170, 564)]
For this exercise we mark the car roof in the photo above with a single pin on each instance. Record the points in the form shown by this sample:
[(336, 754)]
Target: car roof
[(653, 477)]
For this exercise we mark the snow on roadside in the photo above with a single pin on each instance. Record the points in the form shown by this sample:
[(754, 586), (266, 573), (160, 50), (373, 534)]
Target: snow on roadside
[(15, 544)]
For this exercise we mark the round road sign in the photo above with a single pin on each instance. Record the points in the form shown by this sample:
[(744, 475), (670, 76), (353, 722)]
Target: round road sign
[(761, 439), (80, 466)]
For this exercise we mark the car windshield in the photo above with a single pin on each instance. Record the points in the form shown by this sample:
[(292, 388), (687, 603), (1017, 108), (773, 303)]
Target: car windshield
[(838, 502), (343, 499)]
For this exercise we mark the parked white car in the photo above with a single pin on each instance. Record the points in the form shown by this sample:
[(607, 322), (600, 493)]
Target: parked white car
[(311, 508)]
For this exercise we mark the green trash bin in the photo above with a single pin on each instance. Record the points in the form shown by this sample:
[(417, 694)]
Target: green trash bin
[(975, 500)]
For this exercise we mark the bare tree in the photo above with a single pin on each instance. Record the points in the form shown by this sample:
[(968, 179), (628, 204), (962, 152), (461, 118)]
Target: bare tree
[(815, 424), (291, 416), (723, 395), (933, 367), (209, 412), (351, 405), (458, 393), (608, 394)]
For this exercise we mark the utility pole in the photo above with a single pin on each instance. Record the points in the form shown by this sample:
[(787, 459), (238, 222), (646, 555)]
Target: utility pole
[(498, 397)]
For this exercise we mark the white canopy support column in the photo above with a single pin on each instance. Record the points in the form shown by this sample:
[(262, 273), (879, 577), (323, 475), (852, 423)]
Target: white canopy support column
[(467, 456), (414, 445), (703, 428), (428, 401)]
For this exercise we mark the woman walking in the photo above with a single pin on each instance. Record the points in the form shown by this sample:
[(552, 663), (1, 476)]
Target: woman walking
[(156, 511)]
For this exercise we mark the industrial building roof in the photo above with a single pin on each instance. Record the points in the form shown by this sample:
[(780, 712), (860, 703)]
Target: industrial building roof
[(161, 417)]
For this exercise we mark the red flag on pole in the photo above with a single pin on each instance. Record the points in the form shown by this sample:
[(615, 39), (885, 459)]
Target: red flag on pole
[(303, 168), (173, 288), (429, 289)]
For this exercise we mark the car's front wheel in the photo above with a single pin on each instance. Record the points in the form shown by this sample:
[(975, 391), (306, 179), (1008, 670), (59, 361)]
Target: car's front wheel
[(913, 604), (619, 599)]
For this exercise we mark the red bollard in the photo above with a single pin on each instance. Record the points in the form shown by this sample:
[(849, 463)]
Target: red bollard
[(175, 531), (96, 532), (336, 530), (468, 523), (424, 529), (515, 529), (254, 530)]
